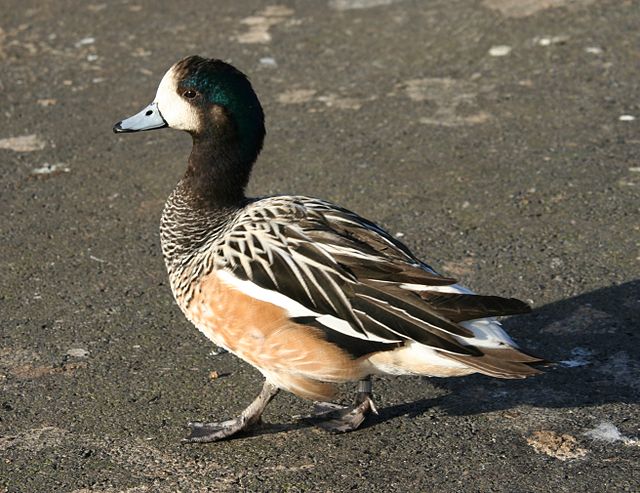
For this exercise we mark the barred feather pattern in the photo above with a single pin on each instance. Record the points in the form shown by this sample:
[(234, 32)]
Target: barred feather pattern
[(190, 237), (324, 258)]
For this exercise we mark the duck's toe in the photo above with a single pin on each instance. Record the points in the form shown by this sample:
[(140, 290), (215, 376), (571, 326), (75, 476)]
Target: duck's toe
[(212, 432), (342, 419)]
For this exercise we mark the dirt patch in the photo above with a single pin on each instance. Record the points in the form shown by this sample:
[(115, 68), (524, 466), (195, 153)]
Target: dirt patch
[(29, 372), (259, 25), (23, 143), (454, 101), (561, 447), (35, 439), (462, 268), (296, 96)]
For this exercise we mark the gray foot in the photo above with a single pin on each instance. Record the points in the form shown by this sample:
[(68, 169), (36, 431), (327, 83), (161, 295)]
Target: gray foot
[(342, 419), (212, 432)]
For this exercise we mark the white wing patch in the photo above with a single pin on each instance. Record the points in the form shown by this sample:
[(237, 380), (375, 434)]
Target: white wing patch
[(452, 288), (292, 307), (488, 332)]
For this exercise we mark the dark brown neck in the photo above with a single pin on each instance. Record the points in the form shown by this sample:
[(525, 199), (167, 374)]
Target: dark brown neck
[(216, 173)]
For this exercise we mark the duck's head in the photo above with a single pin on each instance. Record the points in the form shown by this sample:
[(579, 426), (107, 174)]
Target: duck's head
[(208, 98)]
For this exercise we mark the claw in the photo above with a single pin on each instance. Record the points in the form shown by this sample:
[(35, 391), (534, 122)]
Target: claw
[(373, 407)]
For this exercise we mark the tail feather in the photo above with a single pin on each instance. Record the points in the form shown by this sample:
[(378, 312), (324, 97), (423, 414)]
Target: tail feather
[(502, 363), (459, 307)]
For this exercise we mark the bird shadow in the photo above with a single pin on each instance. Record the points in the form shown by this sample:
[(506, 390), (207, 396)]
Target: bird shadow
[(592, 337)]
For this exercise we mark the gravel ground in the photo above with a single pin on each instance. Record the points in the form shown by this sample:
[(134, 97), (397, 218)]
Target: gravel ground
[(498, 138)]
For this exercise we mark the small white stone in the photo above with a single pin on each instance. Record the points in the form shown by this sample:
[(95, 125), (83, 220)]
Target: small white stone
[(556, 263), (47, 169), (268, 61), (92, 58), (500, 50), (593, 50), (550, 40), (399, 234), (85, 41), (626, 118), (78, 353)]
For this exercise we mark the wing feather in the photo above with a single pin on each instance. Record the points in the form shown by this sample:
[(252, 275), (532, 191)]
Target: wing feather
[(338, 265)]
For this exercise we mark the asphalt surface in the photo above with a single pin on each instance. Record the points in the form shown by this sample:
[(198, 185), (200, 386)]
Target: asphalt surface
[(496, 137)]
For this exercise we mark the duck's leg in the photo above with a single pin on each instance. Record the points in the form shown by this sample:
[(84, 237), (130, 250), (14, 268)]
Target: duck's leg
[(211, 432), (339, 419)]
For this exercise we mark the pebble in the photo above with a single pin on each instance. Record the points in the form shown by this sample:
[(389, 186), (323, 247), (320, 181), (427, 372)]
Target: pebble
[(85, 41), (78, 353), (550, 40), (47, 169), (268, 61), (626, 118), (500, 50)]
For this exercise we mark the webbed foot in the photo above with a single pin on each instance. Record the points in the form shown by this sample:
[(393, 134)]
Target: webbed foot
[(342, 419), (212, 432)]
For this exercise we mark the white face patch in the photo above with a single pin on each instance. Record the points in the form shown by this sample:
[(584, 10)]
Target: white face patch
[(176, 111)]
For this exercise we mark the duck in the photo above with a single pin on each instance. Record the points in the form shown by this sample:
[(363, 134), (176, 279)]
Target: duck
[(308, 292)]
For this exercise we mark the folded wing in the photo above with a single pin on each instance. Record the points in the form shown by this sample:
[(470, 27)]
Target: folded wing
[(342, 273)]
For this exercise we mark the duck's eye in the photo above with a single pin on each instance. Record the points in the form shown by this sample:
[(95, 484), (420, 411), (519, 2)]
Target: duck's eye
[(190, 94)]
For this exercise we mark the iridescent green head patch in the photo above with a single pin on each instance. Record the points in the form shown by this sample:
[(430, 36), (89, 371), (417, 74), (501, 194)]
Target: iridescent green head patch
[(222, 84)]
